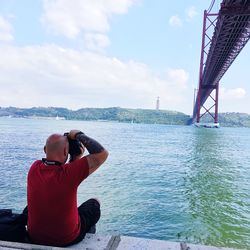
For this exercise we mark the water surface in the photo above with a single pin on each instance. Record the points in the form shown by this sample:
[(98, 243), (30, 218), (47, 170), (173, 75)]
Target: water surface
[(165, 182)]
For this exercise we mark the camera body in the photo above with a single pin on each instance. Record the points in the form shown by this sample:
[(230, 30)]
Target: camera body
[(75, 148)]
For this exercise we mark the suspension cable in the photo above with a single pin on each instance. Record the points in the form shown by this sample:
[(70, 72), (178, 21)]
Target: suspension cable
[(211, 6)]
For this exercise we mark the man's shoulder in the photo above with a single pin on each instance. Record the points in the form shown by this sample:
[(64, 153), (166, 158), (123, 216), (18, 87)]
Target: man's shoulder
[(81, 161), (77, 165), (35, 164), (34, 169)]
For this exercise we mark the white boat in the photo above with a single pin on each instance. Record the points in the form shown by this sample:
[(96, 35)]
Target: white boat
[(207, 125), (60, 118)]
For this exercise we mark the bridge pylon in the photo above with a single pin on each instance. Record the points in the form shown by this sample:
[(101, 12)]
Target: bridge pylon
[(209, 23), (211, 110)]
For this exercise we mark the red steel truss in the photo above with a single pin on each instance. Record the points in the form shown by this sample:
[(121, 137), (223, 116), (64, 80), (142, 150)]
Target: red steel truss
[(231, 32)]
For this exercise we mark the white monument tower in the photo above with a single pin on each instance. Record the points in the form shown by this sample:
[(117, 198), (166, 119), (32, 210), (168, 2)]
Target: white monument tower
[(158, 103)]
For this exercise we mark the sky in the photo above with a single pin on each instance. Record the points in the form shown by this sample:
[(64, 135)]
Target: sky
[(109, 53)]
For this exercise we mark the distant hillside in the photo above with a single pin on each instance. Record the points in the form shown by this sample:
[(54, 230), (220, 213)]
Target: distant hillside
[(109, 114), (124, 115), (231, 119)]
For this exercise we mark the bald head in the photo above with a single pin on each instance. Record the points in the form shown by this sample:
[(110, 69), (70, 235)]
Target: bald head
[(57, 148)]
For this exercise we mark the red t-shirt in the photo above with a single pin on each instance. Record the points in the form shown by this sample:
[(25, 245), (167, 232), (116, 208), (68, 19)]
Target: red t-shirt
[(52, 201)]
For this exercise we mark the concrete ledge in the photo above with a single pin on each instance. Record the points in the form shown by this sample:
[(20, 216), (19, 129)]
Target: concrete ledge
[(111, 242), (93, 242), (15, 245)]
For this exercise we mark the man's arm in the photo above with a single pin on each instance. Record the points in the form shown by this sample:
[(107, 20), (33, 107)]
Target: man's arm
[(97, 153)]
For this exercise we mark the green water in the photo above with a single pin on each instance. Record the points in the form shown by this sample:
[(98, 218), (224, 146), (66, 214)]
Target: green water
[(164, 182)]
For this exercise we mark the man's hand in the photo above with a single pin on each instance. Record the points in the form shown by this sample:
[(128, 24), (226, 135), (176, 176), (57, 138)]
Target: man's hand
[(97, 153), (79, 156), (72, 134)]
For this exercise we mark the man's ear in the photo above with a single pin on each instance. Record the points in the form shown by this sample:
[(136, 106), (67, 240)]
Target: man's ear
[(44, 149)]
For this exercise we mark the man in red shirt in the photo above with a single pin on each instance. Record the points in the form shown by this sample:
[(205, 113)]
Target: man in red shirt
[(53, 216)]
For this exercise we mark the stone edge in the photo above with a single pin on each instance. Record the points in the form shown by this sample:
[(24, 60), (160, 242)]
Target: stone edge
[(113, 244)]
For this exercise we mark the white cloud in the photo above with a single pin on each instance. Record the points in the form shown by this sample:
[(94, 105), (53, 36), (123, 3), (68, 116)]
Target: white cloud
[(175, 21), (5, 30), (54, 76), (230, 94), (72, 18), (96, 41), (179, 77), (191, 12)]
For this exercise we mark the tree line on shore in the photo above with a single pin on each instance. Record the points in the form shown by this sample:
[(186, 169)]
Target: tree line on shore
[(123, 115)]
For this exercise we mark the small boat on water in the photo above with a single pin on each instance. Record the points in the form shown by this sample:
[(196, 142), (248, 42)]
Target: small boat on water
[(59, 118), (206, 125)]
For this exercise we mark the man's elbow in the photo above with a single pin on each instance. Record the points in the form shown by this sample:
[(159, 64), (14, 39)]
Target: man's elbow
[(105, 155), (100, 158)]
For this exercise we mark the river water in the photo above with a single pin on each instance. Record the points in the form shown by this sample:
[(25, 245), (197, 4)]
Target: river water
[(163, 182)]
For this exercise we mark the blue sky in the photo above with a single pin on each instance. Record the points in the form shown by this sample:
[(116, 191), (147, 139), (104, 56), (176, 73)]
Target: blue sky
[(109, 53)]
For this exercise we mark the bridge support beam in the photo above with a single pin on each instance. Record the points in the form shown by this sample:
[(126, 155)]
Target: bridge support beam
[(209, 22), (201, 65), (216, 104), (212, 109)]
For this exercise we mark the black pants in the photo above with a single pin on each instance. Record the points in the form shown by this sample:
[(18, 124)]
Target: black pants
[(89, 213)]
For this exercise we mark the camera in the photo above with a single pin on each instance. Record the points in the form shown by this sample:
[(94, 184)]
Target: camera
[(75, 148)]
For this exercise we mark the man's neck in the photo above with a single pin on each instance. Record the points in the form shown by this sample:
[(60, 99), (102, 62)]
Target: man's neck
[(51, 162)]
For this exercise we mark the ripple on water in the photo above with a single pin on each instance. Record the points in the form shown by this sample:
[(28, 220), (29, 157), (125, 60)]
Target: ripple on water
[(164, 182)]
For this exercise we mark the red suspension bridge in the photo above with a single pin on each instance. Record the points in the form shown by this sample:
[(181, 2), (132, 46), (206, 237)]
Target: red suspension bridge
[(231, 32)]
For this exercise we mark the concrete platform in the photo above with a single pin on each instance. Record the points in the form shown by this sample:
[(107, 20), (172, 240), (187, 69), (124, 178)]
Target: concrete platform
[(100, 242)]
